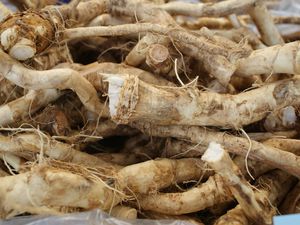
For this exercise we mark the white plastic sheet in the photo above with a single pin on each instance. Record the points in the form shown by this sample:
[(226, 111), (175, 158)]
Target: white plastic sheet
[(95, 217)]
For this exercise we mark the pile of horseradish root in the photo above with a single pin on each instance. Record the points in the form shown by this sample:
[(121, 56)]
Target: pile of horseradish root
[(149, 109)]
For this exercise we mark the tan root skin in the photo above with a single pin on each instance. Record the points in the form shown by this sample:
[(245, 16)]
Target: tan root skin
[(47, 79), (265, 24), (160, 174), (45, 187), (254, 204), (26, 105), (275, 157), (124, 212), (193, 200), (31, 143), (276, 59), (134, 100)]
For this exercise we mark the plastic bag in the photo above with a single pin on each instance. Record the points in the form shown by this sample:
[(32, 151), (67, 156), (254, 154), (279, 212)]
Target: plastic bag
[(95, 217)]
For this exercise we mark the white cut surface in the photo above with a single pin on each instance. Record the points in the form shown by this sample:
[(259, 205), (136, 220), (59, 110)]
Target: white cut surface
[(114, 88), (213, 153)]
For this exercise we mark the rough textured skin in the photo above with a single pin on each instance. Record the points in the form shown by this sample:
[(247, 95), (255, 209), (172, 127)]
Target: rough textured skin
[(254, 204), (139, 101), (201, 197), (286, 161), (32, 26), (47, 188), (159, 174)]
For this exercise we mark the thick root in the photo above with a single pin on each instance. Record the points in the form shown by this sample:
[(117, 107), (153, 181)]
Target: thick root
[(265, 24), (193, 200), (160, 174), (47, 79), (28, 104), (30, 144), (134, 100), (47, 187), (271, 60), (273, 156)]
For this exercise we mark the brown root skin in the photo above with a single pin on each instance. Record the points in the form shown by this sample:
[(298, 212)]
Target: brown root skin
[(52, 187), (105, 128), (291, 203), (180, 149), (275, 184), (51, 57), (130, 100), (52, 120), (122, 159), (33, 28), (9, 91)]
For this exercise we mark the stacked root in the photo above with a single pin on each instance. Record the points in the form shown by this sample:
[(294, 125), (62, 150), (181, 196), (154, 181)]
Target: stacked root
[(149, 109)]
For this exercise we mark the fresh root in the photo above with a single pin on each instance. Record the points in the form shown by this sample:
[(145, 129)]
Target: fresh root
[(238, 145), (47, 79), (45, 187), (160, 174), (110, 105), (133, 100), (254, 204)]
